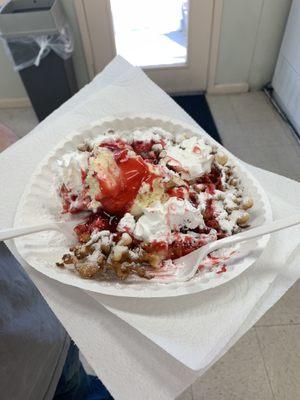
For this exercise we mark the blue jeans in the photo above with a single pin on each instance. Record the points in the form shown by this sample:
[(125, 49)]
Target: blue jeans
[(75, 384)]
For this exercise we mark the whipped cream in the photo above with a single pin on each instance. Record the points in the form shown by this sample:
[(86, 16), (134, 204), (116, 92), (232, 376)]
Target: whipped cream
[(71, 166), (143, 136), (182, 214), (154, 134), (126, 224), (202, 199), (152, 225), (227, 222), (191, 157), (159, 220)]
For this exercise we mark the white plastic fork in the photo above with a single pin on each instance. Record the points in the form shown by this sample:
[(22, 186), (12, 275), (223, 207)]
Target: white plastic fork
[(65, 227), (187, 266)]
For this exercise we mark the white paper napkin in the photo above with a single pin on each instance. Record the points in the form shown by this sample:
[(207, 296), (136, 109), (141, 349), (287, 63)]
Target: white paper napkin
[(131, 366)]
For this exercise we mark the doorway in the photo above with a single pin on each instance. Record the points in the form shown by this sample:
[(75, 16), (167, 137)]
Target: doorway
[(170, 39)]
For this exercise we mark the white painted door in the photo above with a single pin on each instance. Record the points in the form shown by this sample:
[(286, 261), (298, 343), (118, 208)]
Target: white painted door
[(169, 39)]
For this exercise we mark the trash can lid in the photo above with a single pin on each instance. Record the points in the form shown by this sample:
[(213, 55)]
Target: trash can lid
[(21, 18)]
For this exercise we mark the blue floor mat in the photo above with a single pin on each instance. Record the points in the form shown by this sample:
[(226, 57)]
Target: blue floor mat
[(197, 107)]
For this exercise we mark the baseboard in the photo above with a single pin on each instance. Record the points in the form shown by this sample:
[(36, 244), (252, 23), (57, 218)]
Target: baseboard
[(228, 88), (18, 102)]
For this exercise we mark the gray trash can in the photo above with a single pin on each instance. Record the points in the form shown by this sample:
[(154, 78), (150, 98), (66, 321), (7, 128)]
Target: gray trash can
[(38, 39)]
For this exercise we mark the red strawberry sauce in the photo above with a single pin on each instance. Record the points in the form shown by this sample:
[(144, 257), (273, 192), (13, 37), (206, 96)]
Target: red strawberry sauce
[(133, 172), (100, 221)]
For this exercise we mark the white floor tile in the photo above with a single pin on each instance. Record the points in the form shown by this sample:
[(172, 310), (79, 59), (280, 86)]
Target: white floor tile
[(264, 133), (262, 128), (186, 395), (286, 311), (283, 160), (253, 131), (230, 131), (280, 347), (238, 375), (259, 134), (20, 120), (252, 107), (293, 137), (221, 108)]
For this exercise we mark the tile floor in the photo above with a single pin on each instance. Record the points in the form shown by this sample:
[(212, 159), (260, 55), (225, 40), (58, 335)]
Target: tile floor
[(251, 129), (19, 120), (265, 363)]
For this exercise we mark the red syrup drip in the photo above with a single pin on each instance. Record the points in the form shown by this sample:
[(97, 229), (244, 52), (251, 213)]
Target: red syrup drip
[(222, 270), (209, 216), (142, 148), (178, 248), (117, 197), (179, 192), (100, 221), (133, 172), (68, 199), (213, 180)]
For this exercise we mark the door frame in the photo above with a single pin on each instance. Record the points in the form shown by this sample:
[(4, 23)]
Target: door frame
[(84, 19)]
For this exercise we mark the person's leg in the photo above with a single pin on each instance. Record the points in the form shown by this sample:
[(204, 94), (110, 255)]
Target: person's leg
[(75, 384)]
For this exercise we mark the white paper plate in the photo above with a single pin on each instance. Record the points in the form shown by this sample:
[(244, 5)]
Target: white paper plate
[(40, 203)]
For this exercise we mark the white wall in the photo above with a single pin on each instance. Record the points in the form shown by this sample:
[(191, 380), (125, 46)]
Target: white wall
[(251, 35)]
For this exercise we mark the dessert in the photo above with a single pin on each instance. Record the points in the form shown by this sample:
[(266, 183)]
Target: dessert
[(150, 197)]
